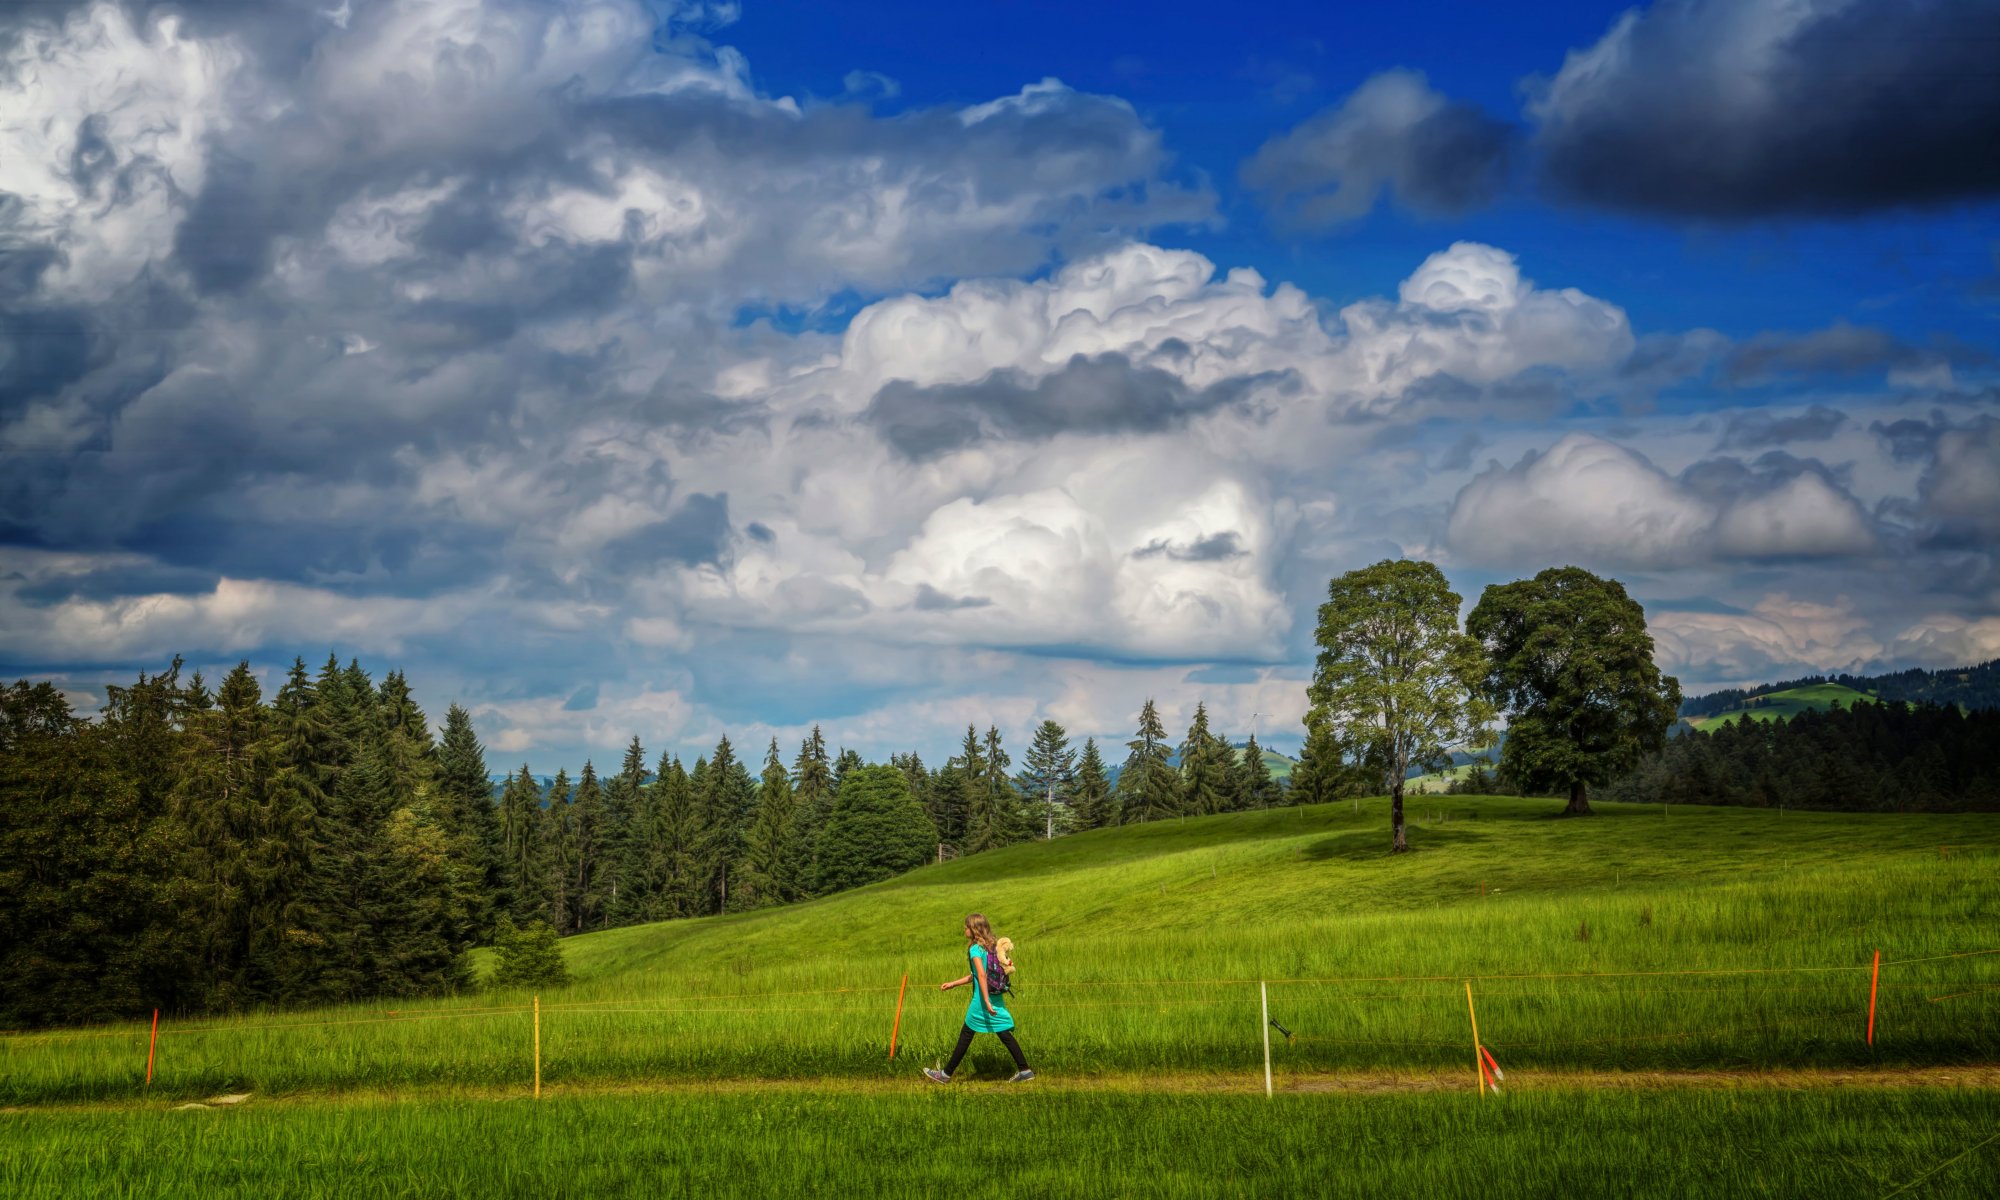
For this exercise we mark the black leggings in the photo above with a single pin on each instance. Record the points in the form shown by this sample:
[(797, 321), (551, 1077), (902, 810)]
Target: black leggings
[(1006, 1037)]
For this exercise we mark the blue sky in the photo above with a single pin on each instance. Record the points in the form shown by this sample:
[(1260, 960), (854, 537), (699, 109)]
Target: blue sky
[(617, 367)]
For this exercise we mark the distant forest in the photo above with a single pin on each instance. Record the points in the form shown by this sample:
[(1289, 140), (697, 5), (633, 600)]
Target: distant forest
[(1891, 757), (212, 850), (1970, 687)]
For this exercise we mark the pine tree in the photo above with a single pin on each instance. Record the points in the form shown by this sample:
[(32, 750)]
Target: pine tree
[(522, 849), (767, 873), (558, 859), (590, 890), (469, 815), (877, 829), (993, 816), (1047, 778), (1091, 807), (86, 914), (219, 800), (725, 794), (299, 754), (812, 798), (969, 769), (622, 800), (1148, 789), (1204, 772), (1254, 787)]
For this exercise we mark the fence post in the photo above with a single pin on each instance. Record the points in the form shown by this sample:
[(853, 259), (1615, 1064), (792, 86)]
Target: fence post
[(150, 1043), (893, 1029), (538, 1047), (1478, 1061), (1874, 978), (1264, 994)]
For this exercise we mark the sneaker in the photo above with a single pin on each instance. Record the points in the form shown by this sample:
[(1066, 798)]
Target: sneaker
[(936, 1076), (1022, 1077)]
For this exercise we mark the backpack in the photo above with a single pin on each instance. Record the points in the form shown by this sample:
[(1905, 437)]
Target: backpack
[(996, 976)]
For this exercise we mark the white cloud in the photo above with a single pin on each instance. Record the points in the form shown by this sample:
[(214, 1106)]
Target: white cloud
[(103, 131), (1596, 500), (1781, 634)]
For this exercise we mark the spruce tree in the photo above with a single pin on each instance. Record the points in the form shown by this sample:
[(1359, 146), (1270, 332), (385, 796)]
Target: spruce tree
[(589, 889), (1046, 779), (622, 799), (300, 757), (812, 797), (469, 815), (1254, 787), (523, 850), (1204, 771), (219, 800), (877, 830), (767, 874), (558, 859), (1147, 785), (1092, 805), (992, 817)]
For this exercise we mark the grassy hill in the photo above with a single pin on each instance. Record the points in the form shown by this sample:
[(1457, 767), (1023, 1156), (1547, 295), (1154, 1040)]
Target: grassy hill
[(1142, 947), (691, 1058), (1787, 703)]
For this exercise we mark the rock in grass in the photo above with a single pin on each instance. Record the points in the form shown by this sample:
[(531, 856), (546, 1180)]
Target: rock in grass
[(236, 1098), (190, 1107)]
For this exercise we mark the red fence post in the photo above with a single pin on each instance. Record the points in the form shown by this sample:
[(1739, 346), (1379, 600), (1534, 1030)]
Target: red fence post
[(150, 1043), (1873, 979)]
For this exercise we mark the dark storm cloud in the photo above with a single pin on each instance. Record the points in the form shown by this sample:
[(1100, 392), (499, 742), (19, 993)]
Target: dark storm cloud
[(1101, 394), (103, 583), (1769, 108), (1394, 135), (929, 599), (1757, 430), (1216, 547), (697, 533)]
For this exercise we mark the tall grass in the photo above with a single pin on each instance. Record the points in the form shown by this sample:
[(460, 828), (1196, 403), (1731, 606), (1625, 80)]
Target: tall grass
[(1027, 1142), (1141, 948)]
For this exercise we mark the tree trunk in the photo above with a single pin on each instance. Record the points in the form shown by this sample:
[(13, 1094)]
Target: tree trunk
[(1578, 806), (1396, 816)]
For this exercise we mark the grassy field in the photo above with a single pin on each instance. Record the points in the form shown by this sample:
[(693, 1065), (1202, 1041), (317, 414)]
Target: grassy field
[(1788, 703), (1016, 1142), (1641, 938)]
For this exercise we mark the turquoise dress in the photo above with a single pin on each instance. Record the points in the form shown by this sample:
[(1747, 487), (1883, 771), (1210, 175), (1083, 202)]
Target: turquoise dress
[(976, 1018)]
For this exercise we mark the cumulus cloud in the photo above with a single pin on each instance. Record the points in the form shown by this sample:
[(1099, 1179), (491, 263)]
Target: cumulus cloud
[(1598, 501), (1780, 634), (1960, 491), (1773, 107), (1395, 135)]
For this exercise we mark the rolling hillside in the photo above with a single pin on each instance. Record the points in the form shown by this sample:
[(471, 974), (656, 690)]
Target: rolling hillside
[(1769, 706), (1142, 947)]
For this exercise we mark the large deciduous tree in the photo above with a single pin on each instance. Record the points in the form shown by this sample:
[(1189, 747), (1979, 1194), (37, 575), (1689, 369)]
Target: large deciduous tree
[(1571, 661), (1396, 677)]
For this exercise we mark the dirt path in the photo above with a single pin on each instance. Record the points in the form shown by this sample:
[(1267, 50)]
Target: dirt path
[(1355, 1083)]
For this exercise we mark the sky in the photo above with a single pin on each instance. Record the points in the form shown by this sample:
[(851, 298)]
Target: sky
[(625, 367)]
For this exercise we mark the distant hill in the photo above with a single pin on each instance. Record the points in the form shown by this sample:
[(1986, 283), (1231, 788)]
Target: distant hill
[(1968, 687), (1770, 706)]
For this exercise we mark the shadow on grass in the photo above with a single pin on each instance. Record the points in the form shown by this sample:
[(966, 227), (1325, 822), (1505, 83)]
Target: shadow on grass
[(1364, 845)]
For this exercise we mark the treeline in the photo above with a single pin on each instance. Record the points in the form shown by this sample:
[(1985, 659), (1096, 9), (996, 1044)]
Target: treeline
[(1893, 757), (201, 850), (1969, 687)]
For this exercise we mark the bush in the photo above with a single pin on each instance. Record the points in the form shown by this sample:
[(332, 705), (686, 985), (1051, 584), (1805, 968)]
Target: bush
[(529, 957)]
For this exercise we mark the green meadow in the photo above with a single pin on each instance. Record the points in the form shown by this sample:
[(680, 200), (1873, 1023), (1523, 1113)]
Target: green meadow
[(1642, 938), (1021, 1142)]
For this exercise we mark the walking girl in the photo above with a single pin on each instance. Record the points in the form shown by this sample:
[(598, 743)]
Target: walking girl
[(987, 1012)]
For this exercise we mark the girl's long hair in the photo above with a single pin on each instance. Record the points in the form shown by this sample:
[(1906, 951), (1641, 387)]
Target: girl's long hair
[(975, 924)]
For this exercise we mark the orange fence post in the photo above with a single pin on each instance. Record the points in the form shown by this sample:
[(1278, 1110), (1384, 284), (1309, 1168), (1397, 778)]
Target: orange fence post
[(538, 1047), (1874, 978), (895, 1028), (150, 1043)]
